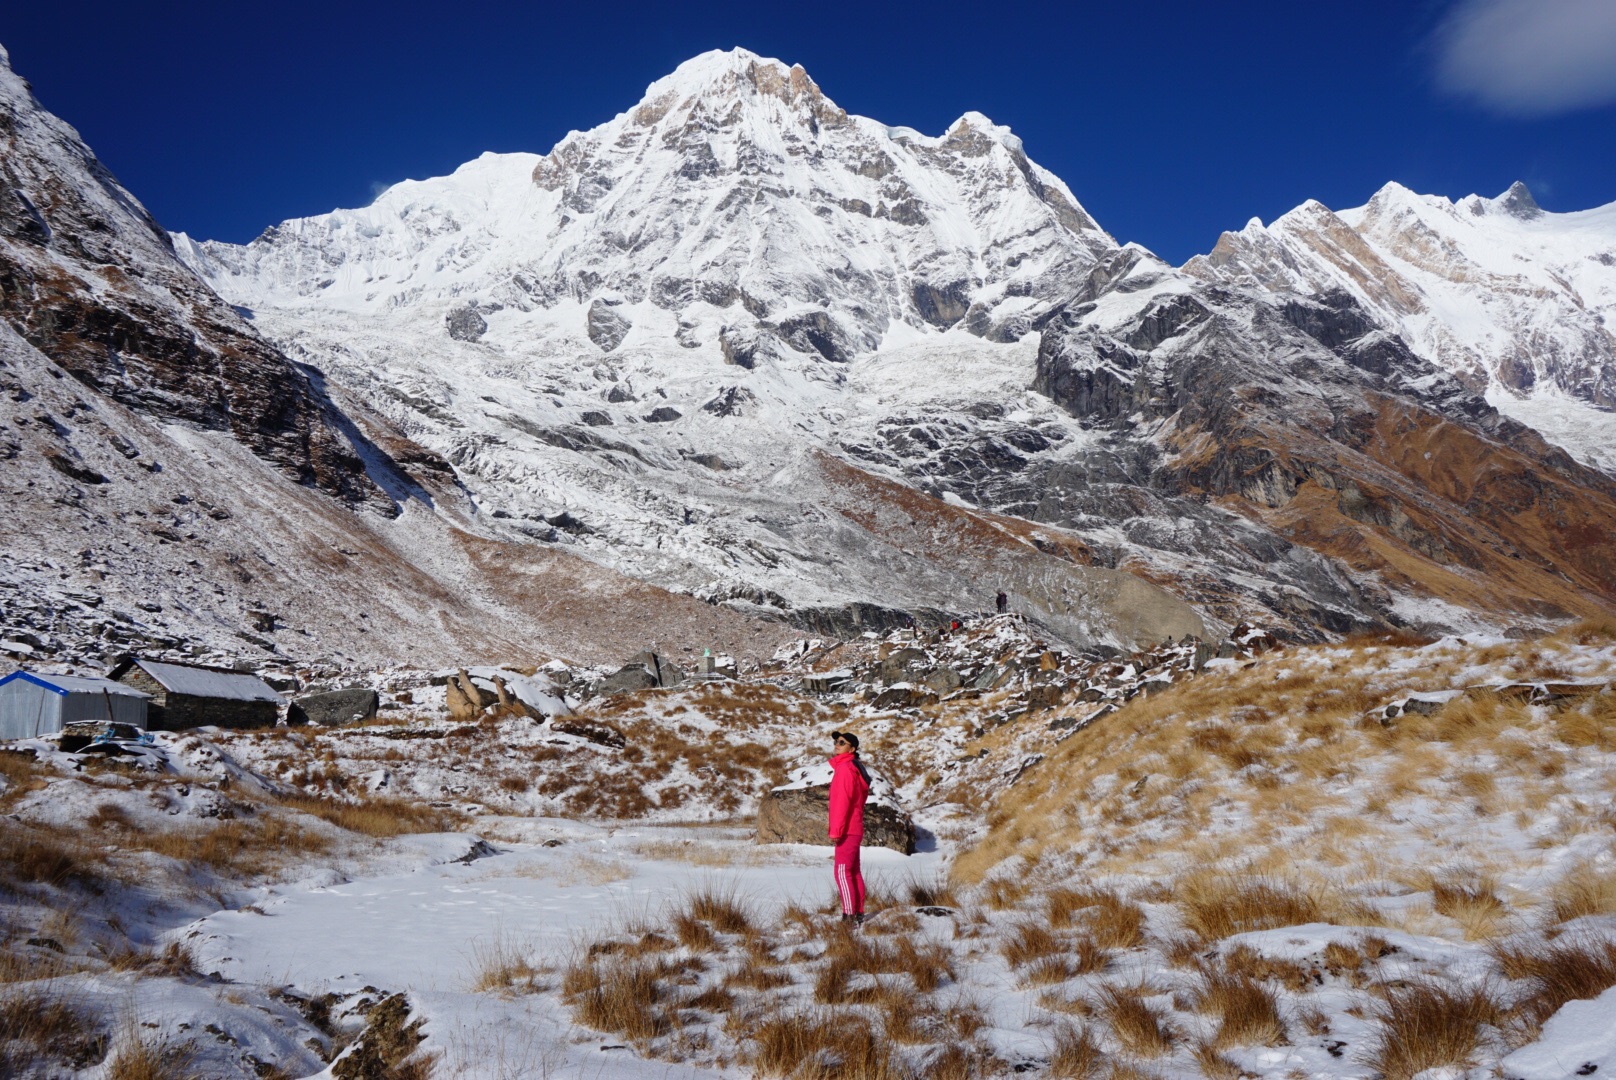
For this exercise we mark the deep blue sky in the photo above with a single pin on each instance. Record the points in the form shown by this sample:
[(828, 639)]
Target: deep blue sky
[(1171, 121)]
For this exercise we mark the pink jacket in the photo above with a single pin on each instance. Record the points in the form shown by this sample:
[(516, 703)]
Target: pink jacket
[(849, 787)]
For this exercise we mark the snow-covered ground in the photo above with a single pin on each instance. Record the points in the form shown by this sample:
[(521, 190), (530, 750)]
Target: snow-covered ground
[(1280, 866)]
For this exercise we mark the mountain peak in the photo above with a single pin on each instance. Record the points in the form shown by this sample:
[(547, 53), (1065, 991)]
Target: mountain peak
[(1518, 202), (737, 74)]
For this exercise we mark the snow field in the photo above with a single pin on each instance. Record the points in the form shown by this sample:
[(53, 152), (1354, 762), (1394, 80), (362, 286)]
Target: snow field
[(1337, 861)]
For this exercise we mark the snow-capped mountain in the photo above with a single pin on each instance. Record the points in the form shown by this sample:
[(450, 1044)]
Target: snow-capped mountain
[(734, 206), (748, 349), (733, 339), (1508, 297)]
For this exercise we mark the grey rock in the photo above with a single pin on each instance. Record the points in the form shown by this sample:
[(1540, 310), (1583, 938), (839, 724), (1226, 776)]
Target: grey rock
[(607, 328), (596, 418), (626, 679), (664, 414), (335, 707), (465, 323)]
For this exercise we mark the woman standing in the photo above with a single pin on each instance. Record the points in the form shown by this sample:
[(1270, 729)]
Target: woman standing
[(849, 787)]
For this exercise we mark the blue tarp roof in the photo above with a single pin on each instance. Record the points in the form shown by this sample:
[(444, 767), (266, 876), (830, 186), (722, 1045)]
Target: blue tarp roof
[(75, 684)]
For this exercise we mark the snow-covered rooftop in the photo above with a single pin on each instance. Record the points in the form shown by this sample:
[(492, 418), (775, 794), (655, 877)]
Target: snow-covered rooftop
[(205, 682), (75, 684)]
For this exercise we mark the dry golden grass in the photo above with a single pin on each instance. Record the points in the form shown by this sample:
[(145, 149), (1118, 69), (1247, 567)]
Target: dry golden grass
[(1030, 942), (1243, 961), (821, 1045), (1001, 893), (936, 892), (1217, 906), (724, 911), (1247, 1011), (1265, 739), (500, 964), (1426, 1025), (1214, 1065), (174, 960), (1470, 899), (37, 1026), (145, 1058), (1584, 890), (1140, 1027), (1075, 1055), (618, 994), (1560, 971)]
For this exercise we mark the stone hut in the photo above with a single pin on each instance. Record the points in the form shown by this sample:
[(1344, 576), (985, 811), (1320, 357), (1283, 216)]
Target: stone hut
[(187, 695)]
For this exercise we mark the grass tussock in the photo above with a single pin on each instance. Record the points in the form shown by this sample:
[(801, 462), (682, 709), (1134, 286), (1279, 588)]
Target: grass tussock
[(1140, 1027), (1470, 899), (821, 1045), (1559, 971), (38, 1026), (1030, 942), (374, 815), (1428, 1025), (501, 965), (1218, 906), (723, 911), (1584, 890), (1076, 1055), (145, 1058), (618, 994), (1247, 1010)]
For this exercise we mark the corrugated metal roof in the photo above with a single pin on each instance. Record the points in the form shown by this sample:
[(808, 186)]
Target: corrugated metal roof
[(202, 682), (75, 684)]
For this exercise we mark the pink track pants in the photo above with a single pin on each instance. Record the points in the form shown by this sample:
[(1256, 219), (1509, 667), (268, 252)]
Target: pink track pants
[(849, 879)]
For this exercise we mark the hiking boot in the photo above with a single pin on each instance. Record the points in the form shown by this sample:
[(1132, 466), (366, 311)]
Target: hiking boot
[(858, 920)]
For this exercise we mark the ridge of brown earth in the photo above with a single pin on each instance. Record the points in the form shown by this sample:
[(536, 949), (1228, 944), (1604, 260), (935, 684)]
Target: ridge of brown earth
[(1434, 507)]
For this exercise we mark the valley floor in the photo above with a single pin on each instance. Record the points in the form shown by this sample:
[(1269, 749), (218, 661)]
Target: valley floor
[(1389, 859)]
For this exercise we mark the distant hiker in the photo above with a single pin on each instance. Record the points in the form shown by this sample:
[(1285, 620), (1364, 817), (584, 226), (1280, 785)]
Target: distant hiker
[(954, 625), (1002, 602), (849, 787)]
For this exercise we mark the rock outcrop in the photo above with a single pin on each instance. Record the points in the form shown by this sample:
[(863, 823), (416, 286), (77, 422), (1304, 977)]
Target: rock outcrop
[(91, 280), (333, 707), (798, 815)]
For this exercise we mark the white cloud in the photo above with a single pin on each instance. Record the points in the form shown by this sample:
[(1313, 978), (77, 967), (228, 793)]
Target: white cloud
[(1530, 57)]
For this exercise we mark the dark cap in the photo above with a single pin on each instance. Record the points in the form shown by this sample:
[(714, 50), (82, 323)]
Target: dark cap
[(852, 739)]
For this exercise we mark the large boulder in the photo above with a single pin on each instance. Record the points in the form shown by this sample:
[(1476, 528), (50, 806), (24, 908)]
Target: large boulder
[(798, 812), (626, 679), (334, 707)]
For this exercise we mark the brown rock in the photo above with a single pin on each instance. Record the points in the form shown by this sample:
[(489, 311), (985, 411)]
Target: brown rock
[(800, 816)]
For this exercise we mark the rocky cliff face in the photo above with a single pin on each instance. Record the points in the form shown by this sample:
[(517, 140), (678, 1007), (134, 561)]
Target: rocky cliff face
[(89, 279), (1335, 439), (1496, 292)]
